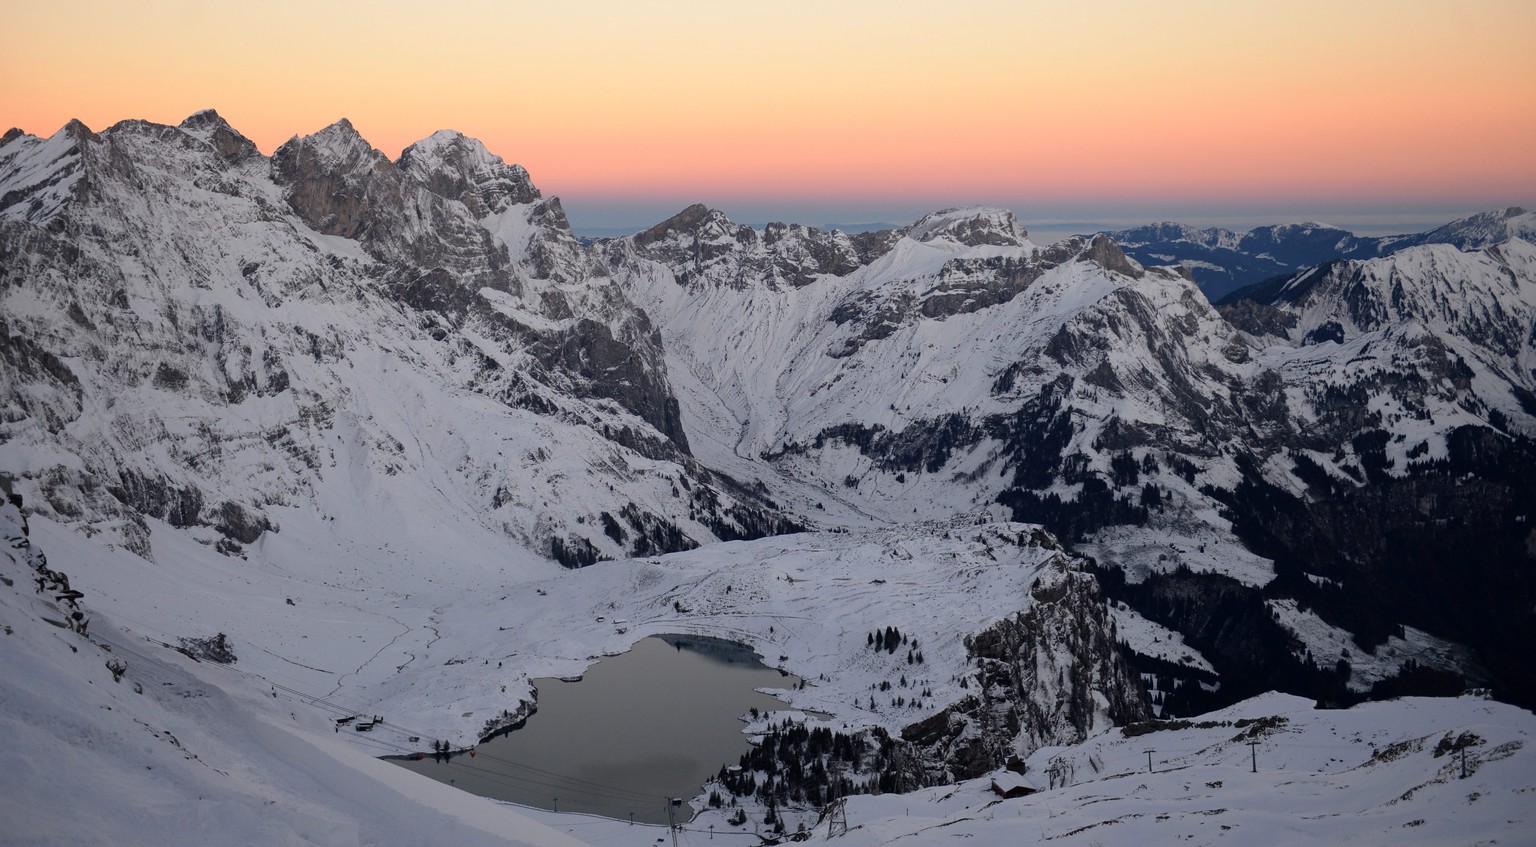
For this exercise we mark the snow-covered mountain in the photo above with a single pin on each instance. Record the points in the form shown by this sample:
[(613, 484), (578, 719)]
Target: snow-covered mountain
[(379, 388), (352, 411), (1485, 229), (1073, 386), (228, 342), (1222, 261)]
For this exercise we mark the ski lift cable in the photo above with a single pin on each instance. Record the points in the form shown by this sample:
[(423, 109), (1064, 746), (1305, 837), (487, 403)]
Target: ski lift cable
[(610, 792), (543, 778), (568, 783), (572, 783), (638, 801)]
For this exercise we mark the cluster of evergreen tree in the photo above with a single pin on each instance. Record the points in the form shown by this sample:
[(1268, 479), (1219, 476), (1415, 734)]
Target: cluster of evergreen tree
[(795, 765), (887, 639), (900, 701), (1443, 547), (890, 638)]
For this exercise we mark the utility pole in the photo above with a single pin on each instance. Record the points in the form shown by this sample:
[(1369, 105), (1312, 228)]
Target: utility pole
[(1149, 761), (672, 803), (1253, 747), (837, 818), (556, 801)]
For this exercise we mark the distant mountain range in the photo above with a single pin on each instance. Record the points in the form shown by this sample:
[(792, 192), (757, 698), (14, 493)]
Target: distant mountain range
[(1223, 261)]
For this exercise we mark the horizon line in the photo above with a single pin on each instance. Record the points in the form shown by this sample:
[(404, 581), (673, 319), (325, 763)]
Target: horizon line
[(1357, 216)]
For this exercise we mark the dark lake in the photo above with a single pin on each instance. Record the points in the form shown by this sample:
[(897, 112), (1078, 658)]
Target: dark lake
[(640, 727)]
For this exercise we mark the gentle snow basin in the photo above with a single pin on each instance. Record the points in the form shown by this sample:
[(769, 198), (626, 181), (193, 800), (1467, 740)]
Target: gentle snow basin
[(638, 728)]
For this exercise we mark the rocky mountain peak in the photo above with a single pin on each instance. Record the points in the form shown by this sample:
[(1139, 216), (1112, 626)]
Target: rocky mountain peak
[(1104, 252), (77, 129), (694, 220), (210, 126), (453, 165), (702, 244), (339, 147), (970, 226), (551, 214), (1485, 229), (329, 174), (204, 119)]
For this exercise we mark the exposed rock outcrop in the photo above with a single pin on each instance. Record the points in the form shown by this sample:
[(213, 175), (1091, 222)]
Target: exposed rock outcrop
[(1053, 674)]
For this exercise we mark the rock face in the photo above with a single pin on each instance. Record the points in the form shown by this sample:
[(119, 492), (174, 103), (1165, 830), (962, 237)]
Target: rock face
[(704, 247), (1051, 675), (459, 168), (200, 336)]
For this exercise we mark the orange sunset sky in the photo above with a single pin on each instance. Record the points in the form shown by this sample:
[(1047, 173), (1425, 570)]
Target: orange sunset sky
[(1395, 114)]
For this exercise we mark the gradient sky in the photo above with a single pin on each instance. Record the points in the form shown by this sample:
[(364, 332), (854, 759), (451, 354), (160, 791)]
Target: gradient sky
[(1356, 111)]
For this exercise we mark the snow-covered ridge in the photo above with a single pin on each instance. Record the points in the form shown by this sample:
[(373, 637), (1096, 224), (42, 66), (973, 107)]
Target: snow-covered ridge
[(971, 226), (1486, 229), (39, 174), (1225, 262), (1487, 295)]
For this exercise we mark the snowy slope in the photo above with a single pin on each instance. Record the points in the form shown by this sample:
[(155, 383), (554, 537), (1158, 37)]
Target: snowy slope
[(1381, 773), (185, 752), (450, 651)]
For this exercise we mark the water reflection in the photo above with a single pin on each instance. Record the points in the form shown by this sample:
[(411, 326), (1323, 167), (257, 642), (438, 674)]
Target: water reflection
[(653, 723)]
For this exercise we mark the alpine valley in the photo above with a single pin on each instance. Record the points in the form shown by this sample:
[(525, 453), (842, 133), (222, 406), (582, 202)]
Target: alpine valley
[(297, 437)]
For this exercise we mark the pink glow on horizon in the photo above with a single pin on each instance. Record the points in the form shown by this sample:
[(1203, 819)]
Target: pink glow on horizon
[(984, 101)]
